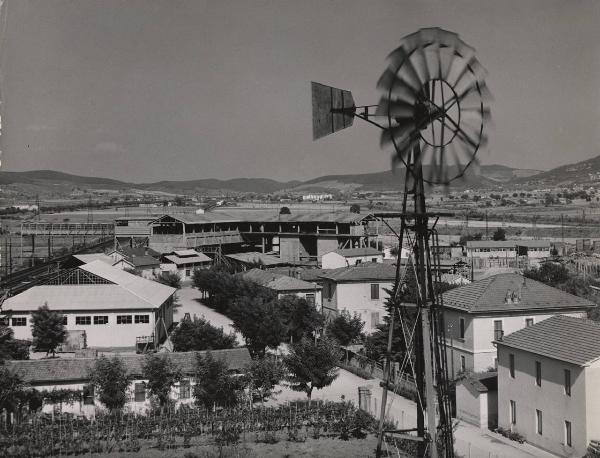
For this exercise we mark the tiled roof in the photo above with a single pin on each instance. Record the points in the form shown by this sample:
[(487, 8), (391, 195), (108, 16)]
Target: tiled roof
[(141, 261), (362, 272), (53, 370), (482, 382), (352, 252), (573, 340), (138, 251), (510, 292), (278, 282)]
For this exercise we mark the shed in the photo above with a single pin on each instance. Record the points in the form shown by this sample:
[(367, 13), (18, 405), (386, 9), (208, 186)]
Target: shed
[(477, 399)]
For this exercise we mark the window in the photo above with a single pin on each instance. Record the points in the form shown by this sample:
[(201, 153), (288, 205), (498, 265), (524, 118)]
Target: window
[(374, 319), (123, 319), (461, 327), (187, 272), (65, 320), (567, 382), (498, 332), (528, 322), (184, 389), (511, 365), (374, 291), (568, 440), (463, 364), (140, 392), (19, 321), (83, 320), (101, 319), (88, 395), (538, 421), (142, 319), (373, 259), (4, 321), (538, 373), (310, 298), (513, 412)]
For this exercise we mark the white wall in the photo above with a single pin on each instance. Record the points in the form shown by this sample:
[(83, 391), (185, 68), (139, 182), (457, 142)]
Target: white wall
[(99, 335), (356, 298), (550, 398), (334, 260), (302, 295)]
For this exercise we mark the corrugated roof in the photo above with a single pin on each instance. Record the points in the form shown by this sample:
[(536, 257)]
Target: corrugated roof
[(510, 292), (254, 257), (150, 291), (362, 272), (573, 340), (352, 252), (85, 258), (53, 370), (278, 282), (221, 217), (201, 257)]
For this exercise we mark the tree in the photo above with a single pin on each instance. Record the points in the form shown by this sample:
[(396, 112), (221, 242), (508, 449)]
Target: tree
[(464, 238), (215, 386), (300, 317), (199, 335), (499, 234), (11, 389), (312, 365), (258, 318), (162, 374), (11, 348), (354, 208), (285, 211), (111, 380), (263, 375), (169, 278), (48, 330), (345, 328)]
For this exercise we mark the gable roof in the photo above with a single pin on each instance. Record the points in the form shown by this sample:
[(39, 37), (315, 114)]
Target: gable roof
[(198, 258), (278, 282), (354, 252), (254, 257), (569, 339), (363, 272), (85, 258), (490, 295), (142, 261), (54, 370), (482, 382)]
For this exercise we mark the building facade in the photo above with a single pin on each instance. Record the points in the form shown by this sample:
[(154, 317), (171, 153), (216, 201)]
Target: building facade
[(350, 257), (482, 312), (549, 384)]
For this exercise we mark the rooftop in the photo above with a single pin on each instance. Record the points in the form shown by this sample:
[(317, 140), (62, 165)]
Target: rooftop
[(53, 370), (362, 272), (198, 258), (85, 258), (573, 340), (353, 252), (509, 292), (482, 382), (142, 261), (254, 257), (278, 282), (508, 243)]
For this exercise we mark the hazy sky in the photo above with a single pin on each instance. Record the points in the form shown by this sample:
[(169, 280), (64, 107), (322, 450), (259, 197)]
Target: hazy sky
[(150, 90)]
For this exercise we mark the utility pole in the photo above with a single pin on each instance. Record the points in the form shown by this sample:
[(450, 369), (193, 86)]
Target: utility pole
[(487, 237), (562, 228)]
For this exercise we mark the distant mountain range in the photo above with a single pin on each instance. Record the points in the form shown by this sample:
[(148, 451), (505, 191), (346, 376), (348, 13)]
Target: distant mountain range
[(485, 176)]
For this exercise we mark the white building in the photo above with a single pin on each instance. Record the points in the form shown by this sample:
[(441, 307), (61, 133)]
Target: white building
[(549, 384), (74, 374), (313, 197), (508, 250), (113, 307), (350, 257), (184, 262), (359, 290), (284, 285), (477, 314)]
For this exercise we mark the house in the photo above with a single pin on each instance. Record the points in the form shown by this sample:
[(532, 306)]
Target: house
[(286, 286), (477, 399), (360, 289), (74, 373), (184, 262), (350, 257), (549, 384), (477, 314), (147, 266), (113, 307), (505, 252)]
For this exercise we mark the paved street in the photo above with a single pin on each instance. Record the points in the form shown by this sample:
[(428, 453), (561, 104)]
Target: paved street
[(190, 298)]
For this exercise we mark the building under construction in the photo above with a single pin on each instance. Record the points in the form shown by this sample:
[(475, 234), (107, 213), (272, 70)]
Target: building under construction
[(303, 237)]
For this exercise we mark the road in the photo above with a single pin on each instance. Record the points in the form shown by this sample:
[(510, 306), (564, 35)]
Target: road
[(190, 299)]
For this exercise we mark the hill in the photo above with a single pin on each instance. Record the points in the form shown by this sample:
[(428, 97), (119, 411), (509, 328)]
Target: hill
[(581, 173)]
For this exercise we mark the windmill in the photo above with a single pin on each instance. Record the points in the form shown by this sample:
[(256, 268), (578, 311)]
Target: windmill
[(432, 113)]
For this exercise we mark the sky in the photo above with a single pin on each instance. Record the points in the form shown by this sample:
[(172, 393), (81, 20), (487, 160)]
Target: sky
[(176, 89)]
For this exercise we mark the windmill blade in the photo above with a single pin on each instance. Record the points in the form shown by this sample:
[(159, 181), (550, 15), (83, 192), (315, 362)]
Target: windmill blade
[(431, 38), (401, 64), (390, 81), (396, 109), (400, 134)]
